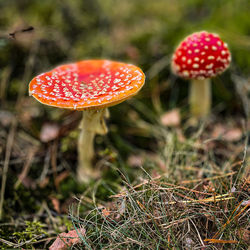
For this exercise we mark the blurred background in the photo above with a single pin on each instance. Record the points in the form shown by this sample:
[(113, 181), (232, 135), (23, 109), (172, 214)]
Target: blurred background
[(36, 36), (142, 32)]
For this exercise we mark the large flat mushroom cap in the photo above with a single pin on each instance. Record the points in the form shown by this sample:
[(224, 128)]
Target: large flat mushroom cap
[(88, 84)]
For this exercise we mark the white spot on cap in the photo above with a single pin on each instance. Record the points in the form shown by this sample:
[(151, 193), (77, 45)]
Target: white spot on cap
[(189, 61), (214, 47), (183, 58), (210, 66), (195, 65), (185, 73), (223, 52), (196, 59), (210, 57), (117, 80)]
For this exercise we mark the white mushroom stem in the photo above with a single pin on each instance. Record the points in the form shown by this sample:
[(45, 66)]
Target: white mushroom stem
[(92, 123), (200, 97)]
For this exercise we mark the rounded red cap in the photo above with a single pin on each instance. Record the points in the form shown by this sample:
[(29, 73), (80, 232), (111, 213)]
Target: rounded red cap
[(201, 55), (88, 84)]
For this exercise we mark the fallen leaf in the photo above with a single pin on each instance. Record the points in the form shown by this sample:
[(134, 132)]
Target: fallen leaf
[(227, 134), (218, 130), (49, 132), (233, 134), (244, 203), (55, 203), (66, 240), (105, 212), (171, 118)]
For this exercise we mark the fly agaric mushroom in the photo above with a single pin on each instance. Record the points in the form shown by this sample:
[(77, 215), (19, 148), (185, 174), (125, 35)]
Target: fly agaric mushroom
[(90, 86), (199, 57)]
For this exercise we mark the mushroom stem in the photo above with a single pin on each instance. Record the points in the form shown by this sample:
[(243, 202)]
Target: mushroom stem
[(92, 123), (200, 97)]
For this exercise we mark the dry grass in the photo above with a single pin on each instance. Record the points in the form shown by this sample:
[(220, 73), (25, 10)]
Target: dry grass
[(180, 209)]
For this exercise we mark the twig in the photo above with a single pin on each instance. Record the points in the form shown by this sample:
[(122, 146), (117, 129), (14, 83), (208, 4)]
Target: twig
[(207, 200), (209, 179), (202, 243), (28, 29), (53, 159), (221, 241), (154, 181), (26, 167), (9, 145)]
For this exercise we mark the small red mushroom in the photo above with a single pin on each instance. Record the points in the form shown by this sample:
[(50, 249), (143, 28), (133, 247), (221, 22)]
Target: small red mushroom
[(199, 57), (91, 86)]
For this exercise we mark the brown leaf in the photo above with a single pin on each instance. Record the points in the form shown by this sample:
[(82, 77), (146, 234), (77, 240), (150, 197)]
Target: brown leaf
[(49, 132), (55, 203), (233, 134), (105, 212), (227, 134), (171, 118), (65, 240), (218, 130), (244, 203)]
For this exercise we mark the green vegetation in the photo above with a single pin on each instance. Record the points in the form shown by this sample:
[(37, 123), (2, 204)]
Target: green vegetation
[(183, 185)]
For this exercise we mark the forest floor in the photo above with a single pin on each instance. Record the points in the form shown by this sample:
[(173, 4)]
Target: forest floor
[(167, 181)]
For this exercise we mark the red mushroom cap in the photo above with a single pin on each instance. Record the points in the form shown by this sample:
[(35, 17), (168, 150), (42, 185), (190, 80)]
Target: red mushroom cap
[(89, 84), (201, 55)]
